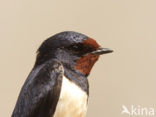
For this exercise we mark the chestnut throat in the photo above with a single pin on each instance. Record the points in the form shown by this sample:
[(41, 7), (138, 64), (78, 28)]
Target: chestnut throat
[(85, 64), (78, 72)]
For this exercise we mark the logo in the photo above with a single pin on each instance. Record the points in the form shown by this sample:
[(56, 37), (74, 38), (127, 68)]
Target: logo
[(137, 111)]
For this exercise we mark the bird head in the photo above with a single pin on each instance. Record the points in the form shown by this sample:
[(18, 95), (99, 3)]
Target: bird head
[(72, 49)]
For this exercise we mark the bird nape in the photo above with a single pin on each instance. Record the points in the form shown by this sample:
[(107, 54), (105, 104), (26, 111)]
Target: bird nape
[(58, 86)]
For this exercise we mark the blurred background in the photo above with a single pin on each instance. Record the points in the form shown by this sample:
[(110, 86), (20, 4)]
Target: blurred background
[(127, 76)]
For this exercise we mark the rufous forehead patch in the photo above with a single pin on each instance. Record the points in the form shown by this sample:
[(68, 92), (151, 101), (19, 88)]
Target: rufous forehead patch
[(91, 42)]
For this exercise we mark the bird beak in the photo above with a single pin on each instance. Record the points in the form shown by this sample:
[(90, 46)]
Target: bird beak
[(101, 51)]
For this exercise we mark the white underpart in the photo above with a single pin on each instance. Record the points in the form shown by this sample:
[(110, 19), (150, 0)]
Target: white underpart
[(72, 101)]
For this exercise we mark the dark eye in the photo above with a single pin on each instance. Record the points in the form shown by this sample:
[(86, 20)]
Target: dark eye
[(80, 48), (75, 47)]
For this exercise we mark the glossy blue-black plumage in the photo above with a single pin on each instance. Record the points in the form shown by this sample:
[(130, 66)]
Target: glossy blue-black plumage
[(40, 92)]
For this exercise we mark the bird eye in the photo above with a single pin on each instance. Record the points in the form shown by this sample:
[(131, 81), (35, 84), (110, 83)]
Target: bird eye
[(74, 47), (80, 48)]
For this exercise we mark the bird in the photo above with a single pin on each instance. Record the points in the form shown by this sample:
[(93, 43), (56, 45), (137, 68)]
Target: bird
[(57, 85)]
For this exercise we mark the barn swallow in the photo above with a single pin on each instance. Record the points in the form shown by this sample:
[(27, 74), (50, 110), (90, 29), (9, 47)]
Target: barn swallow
[(57, 86)]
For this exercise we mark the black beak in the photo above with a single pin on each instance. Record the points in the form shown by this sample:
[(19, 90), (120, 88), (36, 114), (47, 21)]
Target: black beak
[(101, 51)]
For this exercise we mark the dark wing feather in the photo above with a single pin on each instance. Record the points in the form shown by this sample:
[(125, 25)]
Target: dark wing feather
[(41, 91)]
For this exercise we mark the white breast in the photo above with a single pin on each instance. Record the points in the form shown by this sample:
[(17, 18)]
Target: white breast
[(72, 101)]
